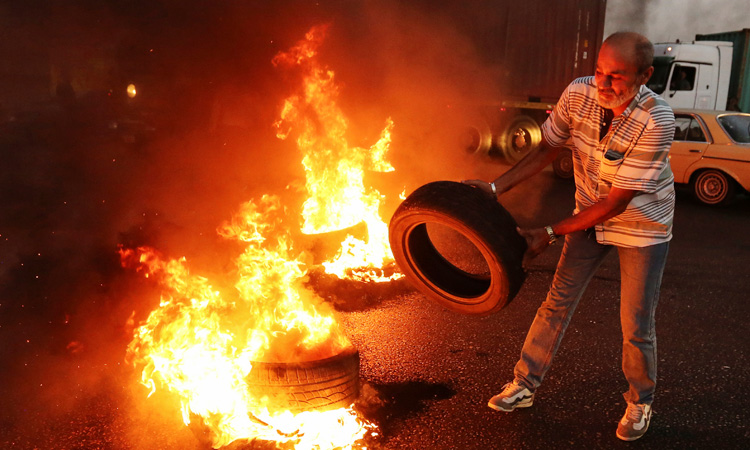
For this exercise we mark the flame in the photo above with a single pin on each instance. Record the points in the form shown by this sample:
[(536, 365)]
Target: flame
[(201, 343), (338, 198)]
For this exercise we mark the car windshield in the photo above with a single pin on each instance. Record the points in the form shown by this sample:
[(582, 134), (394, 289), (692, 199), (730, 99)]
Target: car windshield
[(737, 127), (658, 81)]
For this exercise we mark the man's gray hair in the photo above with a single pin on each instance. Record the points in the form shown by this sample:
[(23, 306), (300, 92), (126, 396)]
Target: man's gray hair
[(642, 48)]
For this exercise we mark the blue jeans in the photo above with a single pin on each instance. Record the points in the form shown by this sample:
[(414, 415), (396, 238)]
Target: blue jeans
[(641, 272)]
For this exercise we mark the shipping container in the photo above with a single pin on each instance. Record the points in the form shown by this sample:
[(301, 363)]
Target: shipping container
[(739, 80), (539, 47)]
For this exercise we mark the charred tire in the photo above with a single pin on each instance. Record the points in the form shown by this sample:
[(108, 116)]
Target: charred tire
[(480, 219), (713, 187), (324, 384), (563, 164), (521, 136)]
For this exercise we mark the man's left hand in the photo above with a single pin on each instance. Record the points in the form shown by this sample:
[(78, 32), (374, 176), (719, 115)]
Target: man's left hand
[(537, 241)]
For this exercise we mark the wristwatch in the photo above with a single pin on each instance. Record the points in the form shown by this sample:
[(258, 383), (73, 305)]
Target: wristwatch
[(551, 234)]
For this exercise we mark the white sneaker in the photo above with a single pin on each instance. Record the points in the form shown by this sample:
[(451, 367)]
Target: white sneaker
[(514, 395), (635, 422)]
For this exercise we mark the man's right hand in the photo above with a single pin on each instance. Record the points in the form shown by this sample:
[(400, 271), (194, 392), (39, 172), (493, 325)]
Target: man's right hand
[(537, 241)]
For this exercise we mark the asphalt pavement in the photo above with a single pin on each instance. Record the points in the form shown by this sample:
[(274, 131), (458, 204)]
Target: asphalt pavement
[(442, 367), (427, 373)]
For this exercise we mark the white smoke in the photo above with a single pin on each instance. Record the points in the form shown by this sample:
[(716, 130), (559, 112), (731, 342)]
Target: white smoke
[(669, 20)]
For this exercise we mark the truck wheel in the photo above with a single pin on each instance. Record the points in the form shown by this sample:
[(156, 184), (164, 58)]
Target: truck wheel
[(474, 135), (476, 140), (521, 136), (713, 187), (563, 164), (480, 219)]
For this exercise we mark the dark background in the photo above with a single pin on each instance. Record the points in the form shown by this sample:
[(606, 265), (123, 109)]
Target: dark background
[(72, 189)]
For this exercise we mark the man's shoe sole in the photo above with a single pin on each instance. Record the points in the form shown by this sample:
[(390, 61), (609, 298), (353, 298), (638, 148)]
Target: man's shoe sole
[(522, 404), (630, 439)]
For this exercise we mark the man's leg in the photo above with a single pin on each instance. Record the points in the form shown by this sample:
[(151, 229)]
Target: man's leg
[(580, 258), (641, 272)]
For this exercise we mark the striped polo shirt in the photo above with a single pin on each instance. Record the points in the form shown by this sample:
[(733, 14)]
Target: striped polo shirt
[(633, 155)]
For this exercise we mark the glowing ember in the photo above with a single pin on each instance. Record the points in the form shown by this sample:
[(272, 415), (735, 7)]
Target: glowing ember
[(338, 198), (201, 343)]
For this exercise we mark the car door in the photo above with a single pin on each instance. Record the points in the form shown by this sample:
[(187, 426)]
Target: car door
[(689, 144), (705, 87)]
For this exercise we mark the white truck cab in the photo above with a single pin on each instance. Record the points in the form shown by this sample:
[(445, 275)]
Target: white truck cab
[(692, 75)]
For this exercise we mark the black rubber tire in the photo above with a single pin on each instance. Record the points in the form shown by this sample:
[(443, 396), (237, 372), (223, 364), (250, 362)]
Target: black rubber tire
[(713, 187), (521, 136), (320, 385), (479, 218), (563, 164)]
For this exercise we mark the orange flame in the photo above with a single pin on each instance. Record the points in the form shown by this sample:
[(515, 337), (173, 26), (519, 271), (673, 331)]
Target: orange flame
[(334, 170), (201, 343)]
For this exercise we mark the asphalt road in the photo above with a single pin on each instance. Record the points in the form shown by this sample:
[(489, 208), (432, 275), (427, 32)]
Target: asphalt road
[(427, 373), (449, 365)]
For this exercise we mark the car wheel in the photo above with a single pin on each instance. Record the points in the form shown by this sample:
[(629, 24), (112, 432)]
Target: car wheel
[(563, 164), (479, 219), (713, 187), (319, 385), (521, 136)]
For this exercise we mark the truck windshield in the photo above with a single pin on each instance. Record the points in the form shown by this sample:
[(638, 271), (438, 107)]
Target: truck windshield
[(737, 127), (658, 81)]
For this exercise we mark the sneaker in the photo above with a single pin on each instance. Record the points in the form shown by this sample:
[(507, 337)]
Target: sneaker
[(514, 395), (635, 422)]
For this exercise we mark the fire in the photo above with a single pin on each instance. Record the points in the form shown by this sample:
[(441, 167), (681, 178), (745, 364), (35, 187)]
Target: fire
[(201, 343), (338, 198)]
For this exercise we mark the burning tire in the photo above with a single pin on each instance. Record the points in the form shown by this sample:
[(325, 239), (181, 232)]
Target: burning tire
[(481, 221), (320, 385)]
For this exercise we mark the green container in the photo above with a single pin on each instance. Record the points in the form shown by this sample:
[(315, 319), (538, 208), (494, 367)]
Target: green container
[(739, 81)]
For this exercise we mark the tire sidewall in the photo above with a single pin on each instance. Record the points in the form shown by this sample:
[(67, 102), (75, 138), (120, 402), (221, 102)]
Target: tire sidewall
[(481, 220), (490, 301)]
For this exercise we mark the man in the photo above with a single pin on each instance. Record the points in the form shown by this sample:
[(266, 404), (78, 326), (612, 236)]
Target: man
[(681, 83), (622, 132)]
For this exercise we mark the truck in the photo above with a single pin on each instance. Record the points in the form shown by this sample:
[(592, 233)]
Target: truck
[(539, 47), (712, 72)]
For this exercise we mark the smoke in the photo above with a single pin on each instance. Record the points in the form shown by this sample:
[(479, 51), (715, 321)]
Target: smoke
[(72, 189), (626, 16), (669, 20)]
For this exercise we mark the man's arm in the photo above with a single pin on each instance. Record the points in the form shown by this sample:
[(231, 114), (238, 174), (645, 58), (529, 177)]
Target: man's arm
[(556, 129), (530, 165), (615, 203)]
